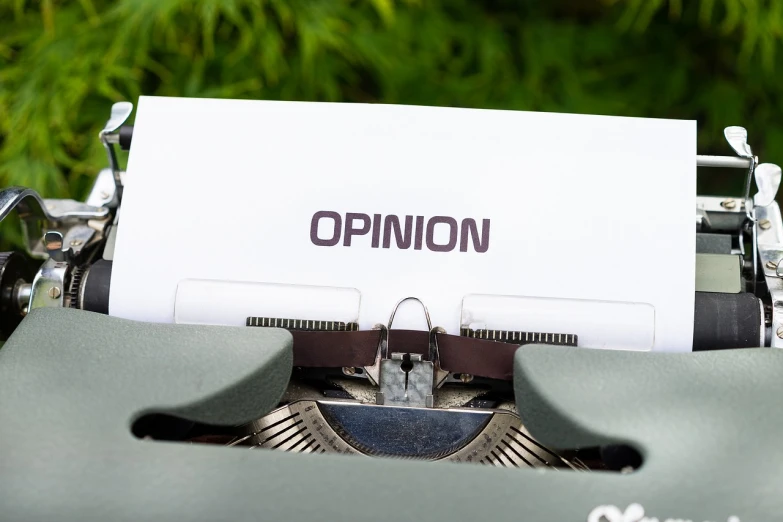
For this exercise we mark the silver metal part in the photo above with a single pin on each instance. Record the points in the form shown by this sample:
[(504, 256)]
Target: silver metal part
[(440, 375), (738, 139), (729, 162), (68, 209), (113, 139), (111, 238), (363, 391), (111, 241), (770, 250), (48, 286), (394, 311), (120, 112), (754, 250), (768, 181), (77, 237), (768, 178), (64, 248), (702, 220), (53, 242), (706, 204), (304, 427), (103, 192), (22, 292), (42, 215), (373, 372), (406, 382), (402, 381), (744, 151), (29, 203)]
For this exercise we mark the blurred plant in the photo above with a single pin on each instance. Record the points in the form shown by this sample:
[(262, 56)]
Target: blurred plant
[(62, 63)]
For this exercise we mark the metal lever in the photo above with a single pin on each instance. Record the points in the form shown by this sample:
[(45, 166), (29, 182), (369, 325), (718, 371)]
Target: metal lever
[(53, 241), (119, 113), (29, 204), (768, 178), (384, 345), (768, 181), (738, 139), (41, 215)]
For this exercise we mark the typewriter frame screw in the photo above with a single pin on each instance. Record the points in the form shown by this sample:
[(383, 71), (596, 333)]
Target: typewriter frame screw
[(771, 265), (349, 370), (728, 204), (765, 224), (780, 332), (54, 292)]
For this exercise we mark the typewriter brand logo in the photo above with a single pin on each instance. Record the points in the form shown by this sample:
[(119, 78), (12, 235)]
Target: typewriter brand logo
[(633, 513), (438, 233)]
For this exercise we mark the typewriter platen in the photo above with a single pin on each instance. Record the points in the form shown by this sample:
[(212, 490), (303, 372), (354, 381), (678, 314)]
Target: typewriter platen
[(389, 393)]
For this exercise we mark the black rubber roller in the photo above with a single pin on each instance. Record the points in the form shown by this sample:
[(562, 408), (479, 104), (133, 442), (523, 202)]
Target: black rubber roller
[(126, 136), (94, 288)]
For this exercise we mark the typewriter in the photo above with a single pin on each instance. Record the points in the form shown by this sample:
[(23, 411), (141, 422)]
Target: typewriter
[(368, 412)]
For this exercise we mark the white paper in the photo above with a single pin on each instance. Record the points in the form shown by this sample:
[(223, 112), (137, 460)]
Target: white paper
[(579, 207)]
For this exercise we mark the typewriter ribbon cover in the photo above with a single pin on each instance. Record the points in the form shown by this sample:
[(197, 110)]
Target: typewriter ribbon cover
[(496, 220)]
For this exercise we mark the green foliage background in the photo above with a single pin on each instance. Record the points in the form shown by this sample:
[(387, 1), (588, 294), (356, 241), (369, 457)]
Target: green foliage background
[(62, 64)]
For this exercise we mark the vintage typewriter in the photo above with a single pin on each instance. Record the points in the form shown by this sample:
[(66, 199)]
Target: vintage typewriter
[(385, 398)]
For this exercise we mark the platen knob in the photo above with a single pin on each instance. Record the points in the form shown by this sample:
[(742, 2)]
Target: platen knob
[(16, 276)]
